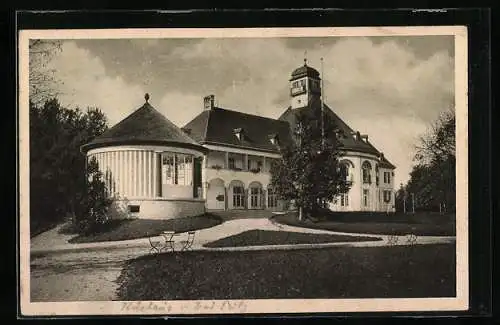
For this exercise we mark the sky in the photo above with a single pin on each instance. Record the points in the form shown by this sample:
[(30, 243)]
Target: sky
[(389, 87)]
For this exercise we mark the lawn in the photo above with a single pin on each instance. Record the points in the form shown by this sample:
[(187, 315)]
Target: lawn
[(267, 237), (338, 272), (384, 224), (138, 228)]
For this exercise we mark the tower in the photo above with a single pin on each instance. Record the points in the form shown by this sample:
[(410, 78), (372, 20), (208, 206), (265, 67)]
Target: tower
[(305, 86)]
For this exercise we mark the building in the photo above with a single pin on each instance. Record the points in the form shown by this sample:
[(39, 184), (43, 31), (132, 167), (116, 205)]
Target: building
[(221, 159)]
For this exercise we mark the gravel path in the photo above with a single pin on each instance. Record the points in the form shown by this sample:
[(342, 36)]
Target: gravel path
[(78, 276), (90, 274)]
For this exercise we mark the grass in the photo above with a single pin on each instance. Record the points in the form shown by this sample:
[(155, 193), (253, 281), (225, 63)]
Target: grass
[(138, 228), (267, 237), (339, 272), (40, 226), (383, 224)]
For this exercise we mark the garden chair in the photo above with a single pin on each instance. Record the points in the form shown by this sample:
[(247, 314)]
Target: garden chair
[(392, 240), (188, 243), (169, 243), (156, 246), (411, 239)]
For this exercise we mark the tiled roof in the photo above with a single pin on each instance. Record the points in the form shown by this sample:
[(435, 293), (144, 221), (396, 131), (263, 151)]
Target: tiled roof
[(347, 140), (144, 126), (217, 126)]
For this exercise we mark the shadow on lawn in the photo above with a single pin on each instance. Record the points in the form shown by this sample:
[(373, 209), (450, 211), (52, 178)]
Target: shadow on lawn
[(257, 237), (354, 272), (423, 224), (125, 229)]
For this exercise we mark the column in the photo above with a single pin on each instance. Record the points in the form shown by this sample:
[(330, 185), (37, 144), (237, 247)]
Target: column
[(133, 172), (119, 172), (245, 163), (147, 174), (204, 182), (264, 164), (226, 198), (155, 173), (226, 160)]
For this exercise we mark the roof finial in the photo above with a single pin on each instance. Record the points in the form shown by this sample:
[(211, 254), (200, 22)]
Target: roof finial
[(146, 97), (305, 58)]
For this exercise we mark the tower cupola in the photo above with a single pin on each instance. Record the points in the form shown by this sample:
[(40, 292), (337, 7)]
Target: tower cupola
[(304, 85)]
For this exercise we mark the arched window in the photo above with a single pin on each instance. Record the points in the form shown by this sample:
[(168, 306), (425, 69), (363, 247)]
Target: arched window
[(367, 168), (344, 167)]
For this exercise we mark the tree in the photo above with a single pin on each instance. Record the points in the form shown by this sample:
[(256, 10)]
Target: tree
[(308, 171), (401, 199), (432, 179), (57, 178), (94, 201), (42, 82)]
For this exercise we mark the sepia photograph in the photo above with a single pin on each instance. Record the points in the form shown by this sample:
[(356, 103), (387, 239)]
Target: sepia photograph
[(245, 170)]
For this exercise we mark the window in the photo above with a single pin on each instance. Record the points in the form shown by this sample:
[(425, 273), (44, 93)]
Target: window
[(231, 163), (344, 200), (387, 177), (177, 169), (188, 168), (344, 172), (272, 198), (298, 86), (167, 169), (387, 196), (365, 197), (180, 170), (238, 196), (367, 177), (133, 208), (255, 196)]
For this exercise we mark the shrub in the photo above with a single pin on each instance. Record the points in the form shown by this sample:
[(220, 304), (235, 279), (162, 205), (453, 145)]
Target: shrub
[(92, 215)]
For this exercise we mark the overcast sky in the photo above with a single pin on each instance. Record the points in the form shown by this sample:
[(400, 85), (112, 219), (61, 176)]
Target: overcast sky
[(390, 88)]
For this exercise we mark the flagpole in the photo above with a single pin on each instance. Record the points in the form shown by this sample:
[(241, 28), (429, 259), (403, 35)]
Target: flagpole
[(322, 107)]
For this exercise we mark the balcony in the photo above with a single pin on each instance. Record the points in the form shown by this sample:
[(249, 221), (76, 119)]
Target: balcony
[(230, 174)]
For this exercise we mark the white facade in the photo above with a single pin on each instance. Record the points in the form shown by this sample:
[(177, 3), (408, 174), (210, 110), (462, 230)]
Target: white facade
[(235, 178), (136, 177), (221, 176)]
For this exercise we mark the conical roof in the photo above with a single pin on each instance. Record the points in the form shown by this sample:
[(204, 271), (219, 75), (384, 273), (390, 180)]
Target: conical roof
[(144, 126)]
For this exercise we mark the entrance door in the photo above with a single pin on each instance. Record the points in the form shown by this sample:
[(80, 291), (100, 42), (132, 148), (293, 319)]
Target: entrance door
[(197, 189), (216, 195)]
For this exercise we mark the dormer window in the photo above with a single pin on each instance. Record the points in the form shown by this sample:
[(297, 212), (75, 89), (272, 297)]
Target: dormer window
[(239, 133), (274, 139)]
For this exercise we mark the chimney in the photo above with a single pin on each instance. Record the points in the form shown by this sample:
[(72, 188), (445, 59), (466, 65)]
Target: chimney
[(208, 102)]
